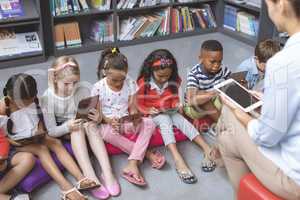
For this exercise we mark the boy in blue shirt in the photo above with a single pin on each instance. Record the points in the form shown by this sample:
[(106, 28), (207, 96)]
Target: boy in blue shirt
[(255, 65)]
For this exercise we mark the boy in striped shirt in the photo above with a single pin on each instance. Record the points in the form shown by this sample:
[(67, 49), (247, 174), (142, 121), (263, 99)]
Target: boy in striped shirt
[(201, 99)]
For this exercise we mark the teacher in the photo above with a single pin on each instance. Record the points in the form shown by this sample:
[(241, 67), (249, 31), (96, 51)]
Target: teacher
[(269, 146)]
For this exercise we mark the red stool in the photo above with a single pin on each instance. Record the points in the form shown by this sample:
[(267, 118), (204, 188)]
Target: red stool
[(252, 189)]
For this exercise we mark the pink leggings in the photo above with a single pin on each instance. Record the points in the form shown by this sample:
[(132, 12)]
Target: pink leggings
[(136, 150)]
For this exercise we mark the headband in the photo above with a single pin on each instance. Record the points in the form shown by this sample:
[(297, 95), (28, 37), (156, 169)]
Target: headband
[(162, 62), (114, 50), (61, 67)]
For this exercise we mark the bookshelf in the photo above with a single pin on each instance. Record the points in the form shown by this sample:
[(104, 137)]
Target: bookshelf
[(265, 26), (31, 21), (44, 22), (85, 18)]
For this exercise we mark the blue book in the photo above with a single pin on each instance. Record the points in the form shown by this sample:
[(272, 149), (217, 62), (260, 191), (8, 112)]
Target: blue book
[(230, 17), (11, 8)]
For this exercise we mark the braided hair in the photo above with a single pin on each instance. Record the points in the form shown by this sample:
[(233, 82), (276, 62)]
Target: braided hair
[(21, 87), (103, 61), (146, 71)]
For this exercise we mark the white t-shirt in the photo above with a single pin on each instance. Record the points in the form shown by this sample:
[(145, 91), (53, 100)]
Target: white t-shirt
[(25, 122), (114, 104)]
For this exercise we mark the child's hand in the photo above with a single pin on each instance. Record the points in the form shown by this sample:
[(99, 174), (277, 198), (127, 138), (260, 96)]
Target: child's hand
[(95, 115), (14, 143), (153, 111), (75, 124), (116, 125), (137, 119), (212, 94)]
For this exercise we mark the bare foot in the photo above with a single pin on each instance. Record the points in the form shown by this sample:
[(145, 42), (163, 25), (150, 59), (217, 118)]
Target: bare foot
[(154, 158), (181, 166), (132, 167), (109, 178), (75, 195)]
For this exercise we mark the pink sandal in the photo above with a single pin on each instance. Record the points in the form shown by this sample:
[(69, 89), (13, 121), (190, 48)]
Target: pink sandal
[(130, 177)]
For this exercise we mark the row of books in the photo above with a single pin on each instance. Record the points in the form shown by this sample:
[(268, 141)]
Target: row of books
[(63, 7), (186, 19), (145, 26), (255, 3), (67, 35), (102, 30), (12, 43), (237, 20), (11, 8), (128, 4)]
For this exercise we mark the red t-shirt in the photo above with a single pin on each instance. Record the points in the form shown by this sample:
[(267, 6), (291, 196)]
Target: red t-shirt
[(151, 98)]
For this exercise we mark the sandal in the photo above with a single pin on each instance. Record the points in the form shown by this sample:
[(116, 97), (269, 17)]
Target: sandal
[(187, 177), (208, 163), (92, 184), (130, 177), (160, 157), (20, 197), (64, 194)]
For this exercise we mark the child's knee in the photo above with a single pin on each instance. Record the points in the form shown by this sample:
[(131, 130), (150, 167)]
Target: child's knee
[(148, 123), (28, 159)]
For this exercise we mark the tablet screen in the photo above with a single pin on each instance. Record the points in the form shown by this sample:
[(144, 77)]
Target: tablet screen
[(239, 94)]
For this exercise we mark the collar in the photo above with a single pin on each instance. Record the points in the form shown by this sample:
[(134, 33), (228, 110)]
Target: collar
[(203, 70), (254, 70), (153, 85), (294, 39)]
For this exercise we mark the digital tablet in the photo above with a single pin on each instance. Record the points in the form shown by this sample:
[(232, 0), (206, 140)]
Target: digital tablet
[(240, 77), (85, 105), (130, 118), (239, 95), (32, 140)]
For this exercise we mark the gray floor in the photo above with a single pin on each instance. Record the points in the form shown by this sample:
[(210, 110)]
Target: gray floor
[(163, 184)]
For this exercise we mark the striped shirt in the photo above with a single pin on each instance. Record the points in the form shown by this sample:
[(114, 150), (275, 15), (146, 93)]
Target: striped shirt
[(202, 80)]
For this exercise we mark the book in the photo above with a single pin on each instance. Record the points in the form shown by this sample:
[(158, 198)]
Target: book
[(84, 4), (230, 17), (67, 35), (59, 36), (11, 8), (102, 30), (145, 25), (19, 43), (186, 19), (72, 34)]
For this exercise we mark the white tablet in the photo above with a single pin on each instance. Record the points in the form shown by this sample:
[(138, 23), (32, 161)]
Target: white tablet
[(239, 95)]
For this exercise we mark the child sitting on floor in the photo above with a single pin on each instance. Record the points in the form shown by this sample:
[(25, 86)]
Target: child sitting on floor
[(201, 99), (117, 95), (255, 65), (158, 97), (13, 167)]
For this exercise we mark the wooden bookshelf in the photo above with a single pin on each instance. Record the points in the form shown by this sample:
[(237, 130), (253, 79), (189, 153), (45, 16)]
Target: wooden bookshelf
[(30, 22)]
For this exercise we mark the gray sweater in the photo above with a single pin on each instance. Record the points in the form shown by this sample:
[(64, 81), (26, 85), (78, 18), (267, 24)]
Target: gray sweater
[(59, 110)]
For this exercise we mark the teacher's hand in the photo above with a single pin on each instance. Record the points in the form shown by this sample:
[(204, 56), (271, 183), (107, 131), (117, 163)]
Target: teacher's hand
[(228, 103)]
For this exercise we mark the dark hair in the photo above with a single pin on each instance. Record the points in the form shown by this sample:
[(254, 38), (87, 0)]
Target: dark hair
[(266, 49), (113, 58), (21, 87), (212, 45), (295, 5), (147, 69)]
